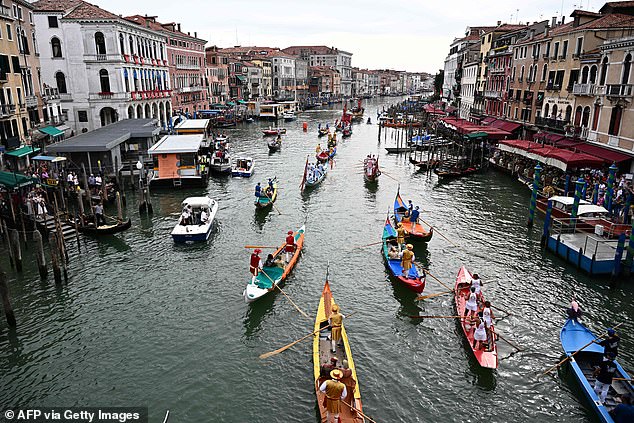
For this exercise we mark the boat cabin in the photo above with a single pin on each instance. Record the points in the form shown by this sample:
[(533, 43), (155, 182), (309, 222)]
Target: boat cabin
[(564, 204), (193, 126), (177, 161), (289, 106), (272, 111)]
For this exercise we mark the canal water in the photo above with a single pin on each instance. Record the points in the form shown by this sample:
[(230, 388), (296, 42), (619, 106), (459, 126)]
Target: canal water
[(144, 322)]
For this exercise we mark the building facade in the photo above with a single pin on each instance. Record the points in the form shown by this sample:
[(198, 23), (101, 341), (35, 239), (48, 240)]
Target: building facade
[(104, 67), (329, 57), (217, 71)]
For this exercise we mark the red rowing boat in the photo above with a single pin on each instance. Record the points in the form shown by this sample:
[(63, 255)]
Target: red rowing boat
[(486, 357)]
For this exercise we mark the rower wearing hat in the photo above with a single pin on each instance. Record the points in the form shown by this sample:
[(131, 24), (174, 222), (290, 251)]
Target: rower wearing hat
[(255, 263), (335, 391), (611, 343), (407, 259), (290, 245), (400, 235), (336, 320)]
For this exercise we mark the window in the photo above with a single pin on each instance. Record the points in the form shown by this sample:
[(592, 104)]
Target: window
[(104, 80), (547, 50), (15, 62), (56, 47), (586, 117), (9, 33), (593, 74), (556, 50), (564, 49), (100, 43), (30, 17), (121, 44), (584, 75), (521, 74), (627, 65), (559, 79), (34, 43), (615, 120), (579, 46), (574, 76), (604, 71), (595, 118), (52, 22), (544, 71), (131, 45), (60, 79), (82, 116)]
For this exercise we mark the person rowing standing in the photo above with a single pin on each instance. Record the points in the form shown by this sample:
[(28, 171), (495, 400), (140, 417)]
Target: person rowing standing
[(611, 343), (255, 264), (336, 321), (414, 218), (604, 373), (476, 283), (290, 246), (335, 392), (472, 303), (407, 259)]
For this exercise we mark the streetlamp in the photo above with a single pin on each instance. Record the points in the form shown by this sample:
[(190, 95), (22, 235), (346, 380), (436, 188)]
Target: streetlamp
[(139, 167)]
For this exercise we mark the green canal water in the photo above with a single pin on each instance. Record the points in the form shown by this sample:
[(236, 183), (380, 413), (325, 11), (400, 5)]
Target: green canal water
[(144, 322)]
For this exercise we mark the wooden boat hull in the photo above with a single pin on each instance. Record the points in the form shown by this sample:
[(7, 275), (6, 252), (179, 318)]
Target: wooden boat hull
[(486, 358), (271, 132), (264, 201), (274, 146), (448, 173), (412, 280), (322, 355), (105, 230), (314, 183), (417, 232), (262, 285), (574, 336)]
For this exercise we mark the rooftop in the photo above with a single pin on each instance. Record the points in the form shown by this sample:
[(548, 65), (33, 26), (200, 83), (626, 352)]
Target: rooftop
[(193, 124), (107, 137), (177, 144)]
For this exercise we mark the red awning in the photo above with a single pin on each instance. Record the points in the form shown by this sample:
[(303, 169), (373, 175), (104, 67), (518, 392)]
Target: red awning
[(608, 156), (574, 160), (505, 125)]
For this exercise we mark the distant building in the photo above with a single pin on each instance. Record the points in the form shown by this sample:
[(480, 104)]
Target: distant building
[(330, 57)]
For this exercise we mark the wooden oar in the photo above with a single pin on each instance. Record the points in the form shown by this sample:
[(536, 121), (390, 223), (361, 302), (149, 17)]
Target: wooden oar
[(500, 309), (439, 281), (272, 203), (508, 342), (261, 246), (287, 346), (623, 379), (285, 294), (359, 411), (437, 317), (368, 245), (574, 353), (388, 175), (440, 233), (424, 297)]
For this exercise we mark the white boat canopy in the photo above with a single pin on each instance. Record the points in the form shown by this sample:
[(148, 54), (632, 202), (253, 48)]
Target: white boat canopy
[(198, 202), (177, 144)]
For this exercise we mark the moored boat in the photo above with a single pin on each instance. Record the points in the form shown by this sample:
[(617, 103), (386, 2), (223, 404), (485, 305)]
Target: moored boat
[(274, 131), (412, 280), (91, 229), (197, 227), (220, 162), (417, 231), (487, 357), (243, 167), (455, 171), (266, 200), (263, 282), (574, 336), (322, 354), (289, 116)]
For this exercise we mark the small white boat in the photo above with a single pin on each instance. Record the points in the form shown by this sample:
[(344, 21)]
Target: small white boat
[(289, 116), (243, 167), (220, 162), (195, 229), (221, 138)]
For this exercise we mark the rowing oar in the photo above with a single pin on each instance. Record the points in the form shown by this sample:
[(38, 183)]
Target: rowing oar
[(389, 176), (623, 379), (285, 294), (500, 309), (424, 297), (359, 411), (368, 245), (440, 233), (261, 246), (574, 353), (437, 317), (508, 342), (287, 346), (439, 281), (272, 203)]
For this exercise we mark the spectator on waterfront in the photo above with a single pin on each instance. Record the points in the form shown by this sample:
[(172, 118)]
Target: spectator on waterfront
[(624, 412), (91, 181), (70, 179), (99, 214), (98, 181), (611, 343), (604, 372)]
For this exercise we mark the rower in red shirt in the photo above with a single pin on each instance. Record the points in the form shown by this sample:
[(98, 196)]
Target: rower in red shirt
[(255, 263), (290, 246)]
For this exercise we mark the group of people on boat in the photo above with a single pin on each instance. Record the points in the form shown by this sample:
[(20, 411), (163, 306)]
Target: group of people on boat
[(479, 315), (268, 191), (189, 217), (371, 165), (255, 261)]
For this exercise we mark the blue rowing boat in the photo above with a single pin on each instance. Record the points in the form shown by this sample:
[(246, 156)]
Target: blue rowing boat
[(412, 280), (574, 336)]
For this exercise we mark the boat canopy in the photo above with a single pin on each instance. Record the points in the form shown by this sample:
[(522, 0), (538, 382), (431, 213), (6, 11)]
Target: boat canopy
[(198, 202), (52, 159), (193, 124), (587, 209), (567, 201), (177, 144)]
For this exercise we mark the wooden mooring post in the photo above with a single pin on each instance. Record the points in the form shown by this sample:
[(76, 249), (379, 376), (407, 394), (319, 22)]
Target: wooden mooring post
[(7, 240), (17, 251), (52, 242), (41, 259), (6, 300)]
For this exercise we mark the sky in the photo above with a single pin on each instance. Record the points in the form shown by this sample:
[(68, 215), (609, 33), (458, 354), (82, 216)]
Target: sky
[(406, 35)]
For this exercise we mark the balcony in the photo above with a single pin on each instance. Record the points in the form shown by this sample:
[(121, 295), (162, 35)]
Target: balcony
[(492, 94), (102, 57), (108, 96), (7, 110), (187, 66), (497, 71), (5, 12), (584, 89), (31, 101), (192, 89), (551, 123), (65, 97), (618, 90), (50, 94)]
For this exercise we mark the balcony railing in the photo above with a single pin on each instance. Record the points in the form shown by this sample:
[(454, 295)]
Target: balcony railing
[(193, 89), (5, 12), (618, 90), (31, 101), (50, 94), (102, 57), (551, 123), (584, 89), (187, 66), (7, 109), (492, 94), (108, 96), (65, 97)]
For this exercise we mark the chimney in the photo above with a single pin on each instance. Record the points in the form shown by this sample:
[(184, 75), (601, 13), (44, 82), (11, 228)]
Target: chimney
[(563, 18), (179, 27), (554, 22), (188, 33), (195, 34)]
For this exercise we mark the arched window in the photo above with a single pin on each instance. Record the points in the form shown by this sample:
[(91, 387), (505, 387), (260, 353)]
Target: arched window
[(568, 113), (104, 80), (544, 71), (627, 65), (554, 114), (100, 43), (154, 56), (60, 79), (546, 109), (56, 47), (578, 112), (584, 75), (585, 120), (121, 43), (131, 42), (604, 71), (521, 73), (593, 74)]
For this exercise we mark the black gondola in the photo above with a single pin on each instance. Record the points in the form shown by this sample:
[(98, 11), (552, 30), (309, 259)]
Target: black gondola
[(91, 229)]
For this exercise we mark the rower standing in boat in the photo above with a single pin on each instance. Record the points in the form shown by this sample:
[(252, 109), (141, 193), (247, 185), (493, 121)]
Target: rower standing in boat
[(99, 214), (472, 303), (414, 218), (407, 259), (480, 334), (610, 344), (290, 246), (255, 263), (270, 187), (624, 412), (400, 235), (318, 149), (336, 320), (335, 391), (476, 283), (258, 190), (604, 373)]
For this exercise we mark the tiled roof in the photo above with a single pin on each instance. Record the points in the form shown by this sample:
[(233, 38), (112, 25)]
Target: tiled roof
[(310, 49), (86, 10), (613, 20), (55, 5), (579, 12)]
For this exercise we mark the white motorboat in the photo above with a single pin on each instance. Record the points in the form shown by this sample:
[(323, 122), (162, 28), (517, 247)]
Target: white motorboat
[(197, 227), (243, 167)]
